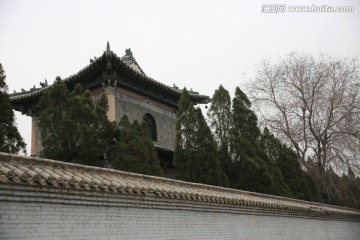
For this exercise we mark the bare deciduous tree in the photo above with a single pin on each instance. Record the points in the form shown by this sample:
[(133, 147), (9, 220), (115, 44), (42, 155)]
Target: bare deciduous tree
[(314, 105)]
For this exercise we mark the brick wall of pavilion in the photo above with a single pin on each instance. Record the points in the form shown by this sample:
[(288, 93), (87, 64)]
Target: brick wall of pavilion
[(136, 106)]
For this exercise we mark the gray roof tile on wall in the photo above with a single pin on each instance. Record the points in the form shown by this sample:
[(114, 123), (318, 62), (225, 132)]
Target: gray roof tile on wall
[(31, 171)]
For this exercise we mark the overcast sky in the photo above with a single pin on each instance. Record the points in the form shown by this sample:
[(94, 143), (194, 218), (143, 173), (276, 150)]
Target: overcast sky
[(197, 44)]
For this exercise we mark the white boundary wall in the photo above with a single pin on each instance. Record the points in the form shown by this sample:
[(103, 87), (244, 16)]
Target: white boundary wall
[(47, 199), (41, 215)]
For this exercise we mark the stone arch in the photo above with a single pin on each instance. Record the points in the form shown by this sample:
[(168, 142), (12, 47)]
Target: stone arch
[(151, 123)]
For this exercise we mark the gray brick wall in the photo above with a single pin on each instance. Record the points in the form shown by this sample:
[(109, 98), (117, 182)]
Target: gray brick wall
[(38, 215), (136, 109)]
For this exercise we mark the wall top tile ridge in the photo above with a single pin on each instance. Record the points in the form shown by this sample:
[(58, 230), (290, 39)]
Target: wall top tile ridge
[(33, 172)]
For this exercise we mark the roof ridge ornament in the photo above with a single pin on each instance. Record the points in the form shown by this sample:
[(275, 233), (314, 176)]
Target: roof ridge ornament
[(128, 52), (109, 72), (107, 46), (44, 84), (108, 54)]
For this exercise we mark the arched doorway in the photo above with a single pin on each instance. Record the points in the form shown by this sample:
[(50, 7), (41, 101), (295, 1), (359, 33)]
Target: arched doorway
[(151, 123)]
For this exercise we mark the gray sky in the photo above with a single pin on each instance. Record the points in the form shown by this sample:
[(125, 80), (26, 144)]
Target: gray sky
[(197, 44)]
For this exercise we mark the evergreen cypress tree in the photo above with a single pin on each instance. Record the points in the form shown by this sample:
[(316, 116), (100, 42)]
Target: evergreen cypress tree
[(74, 128), (134, 150), (299, 182), (219, 115), (196, 157), (254, 171), (206, 156), (185, 134), (244, 134), (10, 138), (353, 183)]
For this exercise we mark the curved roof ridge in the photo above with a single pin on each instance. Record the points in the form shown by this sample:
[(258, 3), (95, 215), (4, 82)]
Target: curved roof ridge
[(100, 62), (70, 78), (193, 95), (131, 61)]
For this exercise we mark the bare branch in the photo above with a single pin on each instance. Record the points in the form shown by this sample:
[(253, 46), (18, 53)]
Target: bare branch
[(314, 105)]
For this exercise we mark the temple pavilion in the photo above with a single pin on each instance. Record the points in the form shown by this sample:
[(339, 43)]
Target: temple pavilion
[(129, 92)]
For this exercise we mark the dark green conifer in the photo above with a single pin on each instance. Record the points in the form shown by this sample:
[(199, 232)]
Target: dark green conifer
[(299, 182), (10, 138), (253, 170), (206, 157), (220, 119), (185, 134), (134, 150), (74, 128), (195, 157)]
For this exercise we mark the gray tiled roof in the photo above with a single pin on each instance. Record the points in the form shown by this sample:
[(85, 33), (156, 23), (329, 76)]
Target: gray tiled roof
[(125, 64), (29, 171)]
